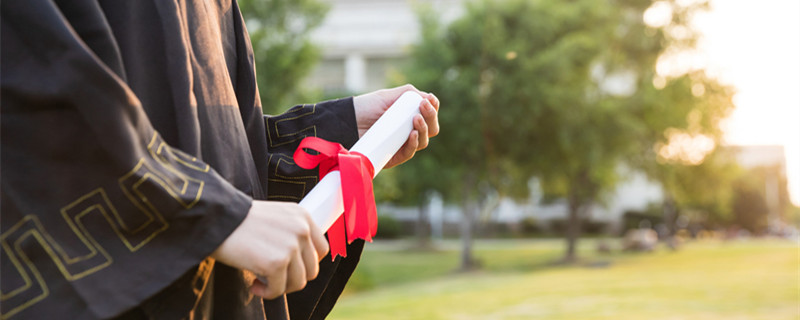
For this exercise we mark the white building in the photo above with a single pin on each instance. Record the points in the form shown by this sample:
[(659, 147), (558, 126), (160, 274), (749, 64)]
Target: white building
[(362, 41), (766, 156), (760, 156)]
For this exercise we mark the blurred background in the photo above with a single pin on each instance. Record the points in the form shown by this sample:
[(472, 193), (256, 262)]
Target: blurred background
[(599, 159)]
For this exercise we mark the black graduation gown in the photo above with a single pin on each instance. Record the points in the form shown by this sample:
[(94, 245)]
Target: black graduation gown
[(132, 145)]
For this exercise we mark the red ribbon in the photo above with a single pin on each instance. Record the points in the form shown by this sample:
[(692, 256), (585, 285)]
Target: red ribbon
[(360, 219)]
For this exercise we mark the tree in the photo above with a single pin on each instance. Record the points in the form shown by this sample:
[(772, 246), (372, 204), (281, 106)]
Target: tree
[(410, 185), (701, 192), (681, 143), (279, 32), (456, 164), (563, 91)]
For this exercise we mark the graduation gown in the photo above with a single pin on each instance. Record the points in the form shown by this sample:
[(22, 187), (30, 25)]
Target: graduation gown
[(133, 144)]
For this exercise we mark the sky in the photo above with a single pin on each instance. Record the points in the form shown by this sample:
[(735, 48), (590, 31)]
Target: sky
[(755, 47)]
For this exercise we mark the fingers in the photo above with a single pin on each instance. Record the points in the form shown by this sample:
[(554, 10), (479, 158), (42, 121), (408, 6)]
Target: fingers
[(425, 126), (407, 151), (428, 123), (310, 251), (292, 278), (397, 91), (297, 274), (422, 129), (394, 93), (319, 242), (286, 257), (410, 147), (433, 100), (429, 110), (275, 286), (259, 288), (311, 262)]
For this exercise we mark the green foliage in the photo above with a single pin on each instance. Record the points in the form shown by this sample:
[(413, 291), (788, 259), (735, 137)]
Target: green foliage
[(522, 82), (390, 227), (702, 192), (284, 55), (529, 226), (527, 89), (385, 186)]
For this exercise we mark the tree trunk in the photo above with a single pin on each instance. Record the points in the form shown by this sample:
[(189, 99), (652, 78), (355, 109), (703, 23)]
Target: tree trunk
[(580, 196), (468, 211), (669, 216), (423, 236), (573, 228)]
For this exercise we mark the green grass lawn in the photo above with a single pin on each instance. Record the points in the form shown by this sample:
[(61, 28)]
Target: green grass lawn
[(758, 279)]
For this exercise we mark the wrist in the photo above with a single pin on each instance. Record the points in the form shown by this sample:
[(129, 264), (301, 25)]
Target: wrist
[(361, 114)]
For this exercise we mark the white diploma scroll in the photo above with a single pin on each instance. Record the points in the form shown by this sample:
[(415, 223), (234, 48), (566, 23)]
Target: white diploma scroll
[(379, 144)]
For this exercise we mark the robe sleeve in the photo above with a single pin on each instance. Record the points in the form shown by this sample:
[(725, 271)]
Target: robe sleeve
[(98, 212), (333, 121), (330, 120)]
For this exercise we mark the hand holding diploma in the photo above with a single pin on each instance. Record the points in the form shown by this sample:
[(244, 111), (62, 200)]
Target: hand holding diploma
[(371, 106), (348, 187), (278, 240)]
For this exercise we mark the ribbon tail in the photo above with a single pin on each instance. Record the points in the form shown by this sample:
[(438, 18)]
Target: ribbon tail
[(351, 191), (336, 239), (358, 198), (370, 215)]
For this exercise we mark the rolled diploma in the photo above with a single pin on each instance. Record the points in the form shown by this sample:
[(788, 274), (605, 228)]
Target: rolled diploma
[(379, 144)]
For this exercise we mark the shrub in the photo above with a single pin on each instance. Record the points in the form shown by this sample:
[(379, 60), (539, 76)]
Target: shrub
[(388, 227)]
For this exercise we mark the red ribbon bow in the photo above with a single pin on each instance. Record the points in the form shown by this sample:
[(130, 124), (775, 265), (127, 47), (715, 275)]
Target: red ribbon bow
[(360, 216)]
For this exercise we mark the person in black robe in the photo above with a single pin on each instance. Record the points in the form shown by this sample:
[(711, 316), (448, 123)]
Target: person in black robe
[(133, 146)]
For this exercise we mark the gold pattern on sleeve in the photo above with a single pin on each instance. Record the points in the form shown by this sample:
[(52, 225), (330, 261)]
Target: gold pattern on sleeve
[(97, 258), (15, 242), (73, 262), (163, 154), (150, 182), (185, 190), (278, 137), (286, 182)]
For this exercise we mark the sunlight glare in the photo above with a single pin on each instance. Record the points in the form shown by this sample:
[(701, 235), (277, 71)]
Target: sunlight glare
[(684, 148), (755, 47), (658, 15)]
